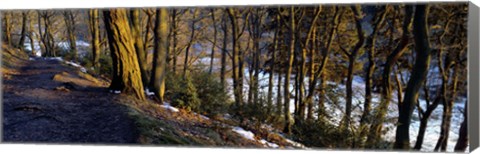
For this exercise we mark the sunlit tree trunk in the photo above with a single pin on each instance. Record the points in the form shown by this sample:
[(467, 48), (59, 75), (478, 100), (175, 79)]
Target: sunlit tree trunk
[(157, 80), (93, 20), (288, 72), (138, 44), (8, 27), (236, 66), (320, 72), (126, 72)]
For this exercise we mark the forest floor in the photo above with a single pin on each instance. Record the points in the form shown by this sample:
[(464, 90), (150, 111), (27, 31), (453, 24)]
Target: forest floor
[(45, 100)]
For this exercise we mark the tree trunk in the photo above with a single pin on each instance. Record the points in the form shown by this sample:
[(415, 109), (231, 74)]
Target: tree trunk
[(93, 19), (8, 28), (443, 65), (40, 34), (418, 76), (175, 31), (224, 51), (146, 40), (70, 25), (279, 92), (48, 36), (372, 40), (379, 116), (138, 44), (31, 35), (126, 74), (462, 141), (190, 43), (23, 34), (447, 111), (214, 43), (320, 72), (271, 72), (237, 72), (312, 78), (423, 123), (351, 64), (157, 80), (288, 71)]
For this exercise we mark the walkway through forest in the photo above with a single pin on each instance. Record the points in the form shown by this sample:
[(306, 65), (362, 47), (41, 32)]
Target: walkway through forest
[(46, 101)]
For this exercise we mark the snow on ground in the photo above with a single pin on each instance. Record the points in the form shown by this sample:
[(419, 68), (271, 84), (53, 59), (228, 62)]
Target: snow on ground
[(246, 134), (77, 65), (148, 92), (249, 135), (60, 59), (269, 144), (169, 107)]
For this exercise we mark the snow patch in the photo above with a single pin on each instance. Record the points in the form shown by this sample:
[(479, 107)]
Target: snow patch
[(82, 69), (227, 116), (148, 92), (169, 107), (269, 144), (60, 59), (296, 144), (246, 134), (201, 116), (204, 117), (73, 64)]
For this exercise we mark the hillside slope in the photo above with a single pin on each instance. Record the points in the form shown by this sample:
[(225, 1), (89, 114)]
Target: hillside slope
[(54, 101)]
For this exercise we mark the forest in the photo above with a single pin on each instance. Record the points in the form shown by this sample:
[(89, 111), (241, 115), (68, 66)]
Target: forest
[(359, 76)]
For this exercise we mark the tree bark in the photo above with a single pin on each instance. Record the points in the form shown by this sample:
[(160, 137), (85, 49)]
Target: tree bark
[(126, 72), (138, 44), (272, 72), (224, 51), (237, 72), (175, 31), (288, 71), (157, 80), (380, 111), (23, 34), (93, 20), (352, 55), (418, 76), (190, 43), (214, 43), (70, 25), (8, 28), (31, 35), (371, 52), (462, 141)]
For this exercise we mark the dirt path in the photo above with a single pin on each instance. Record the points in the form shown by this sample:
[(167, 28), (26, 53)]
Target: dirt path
[(35, 109)]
